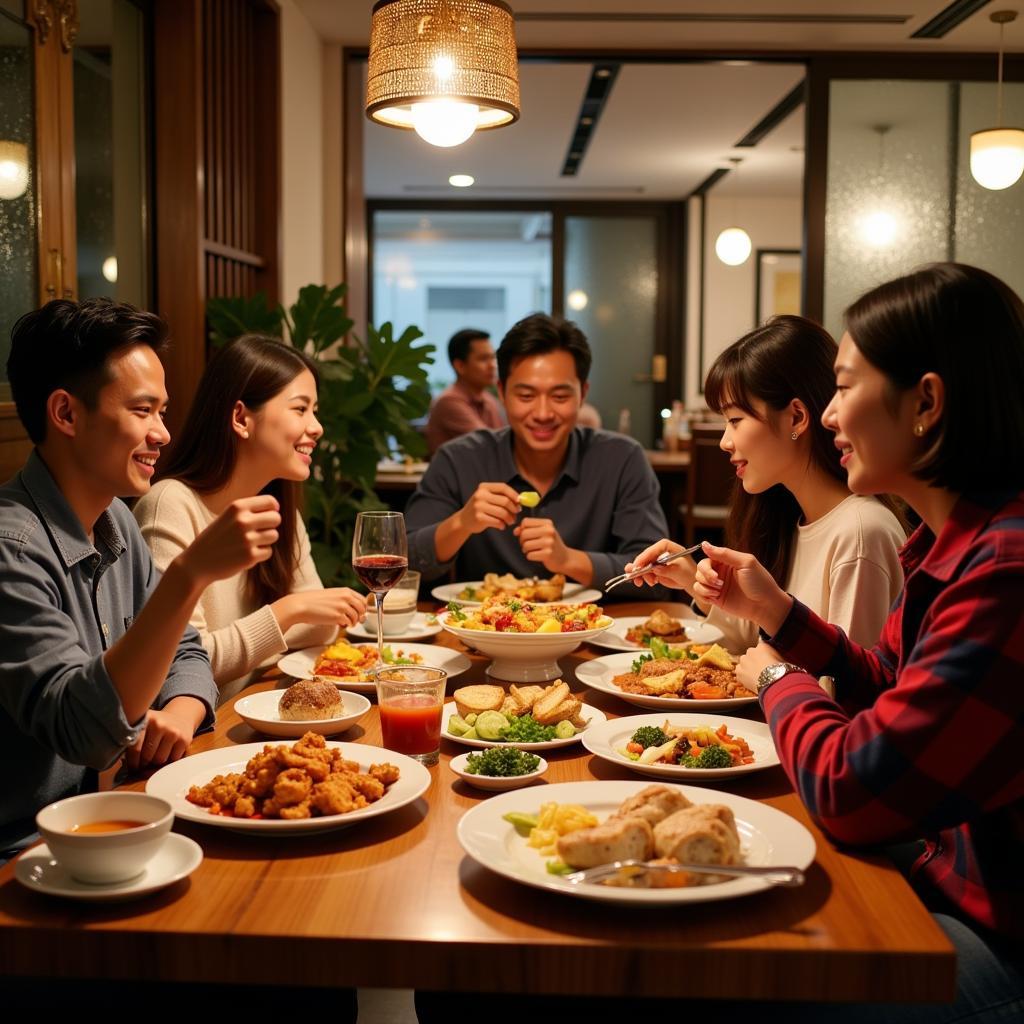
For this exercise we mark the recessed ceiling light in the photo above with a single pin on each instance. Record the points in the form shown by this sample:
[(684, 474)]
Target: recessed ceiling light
[(602, 72), (461, 180), (586, 120)]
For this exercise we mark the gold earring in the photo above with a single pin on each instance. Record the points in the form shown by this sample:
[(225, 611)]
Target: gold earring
[(918, 430), (794, 436)]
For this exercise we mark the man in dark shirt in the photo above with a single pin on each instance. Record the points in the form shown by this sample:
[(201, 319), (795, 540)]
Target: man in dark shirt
[(598, 494), (96, 654), (467, 404)]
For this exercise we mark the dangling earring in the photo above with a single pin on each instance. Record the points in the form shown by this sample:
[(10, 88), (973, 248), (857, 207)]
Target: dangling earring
[(793, 436), (918, 430)]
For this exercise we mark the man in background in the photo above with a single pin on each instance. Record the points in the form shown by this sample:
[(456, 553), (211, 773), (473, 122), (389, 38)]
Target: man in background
[(468, 404)]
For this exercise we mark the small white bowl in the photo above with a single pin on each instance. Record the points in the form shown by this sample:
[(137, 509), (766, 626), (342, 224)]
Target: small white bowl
[(102, 858), (492, 782), (259, 710)]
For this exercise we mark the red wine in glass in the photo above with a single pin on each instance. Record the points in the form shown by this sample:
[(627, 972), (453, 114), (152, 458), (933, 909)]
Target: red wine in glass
[(379, 573), (380, 559)]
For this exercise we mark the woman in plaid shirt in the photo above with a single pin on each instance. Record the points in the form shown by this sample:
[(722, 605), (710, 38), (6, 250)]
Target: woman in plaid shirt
[(925, 739)]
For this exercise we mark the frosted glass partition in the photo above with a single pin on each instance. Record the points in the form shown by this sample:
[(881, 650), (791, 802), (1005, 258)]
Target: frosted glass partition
[(611, 291), (18, 287), (900, 192)]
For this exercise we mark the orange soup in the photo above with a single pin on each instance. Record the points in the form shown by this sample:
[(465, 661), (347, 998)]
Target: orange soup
[(114, 825)]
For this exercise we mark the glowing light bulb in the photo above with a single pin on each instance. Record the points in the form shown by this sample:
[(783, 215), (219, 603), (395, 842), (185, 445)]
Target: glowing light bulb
[(879, 229), (461, 180), (13, 169), (733, 246), (997, 157), (444, 68), (109, 269), (444, 122), (577, 299)]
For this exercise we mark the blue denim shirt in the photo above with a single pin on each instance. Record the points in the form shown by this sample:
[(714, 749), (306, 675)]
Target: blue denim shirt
[(604, 502), (64, 601)]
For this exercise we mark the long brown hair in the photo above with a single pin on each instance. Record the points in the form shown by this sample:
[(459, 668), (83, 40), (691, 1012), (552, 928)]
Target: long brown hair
[(251, 370), (789, 357)]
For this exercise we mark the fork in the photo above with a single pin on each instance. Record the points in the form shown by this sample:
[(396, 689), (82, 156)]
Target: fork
[(783, 875), (668, 556)]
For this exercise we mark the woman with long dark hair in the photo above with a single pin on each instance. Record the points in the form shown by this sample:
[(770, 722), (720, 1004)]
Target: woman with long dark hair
[(926, 747), (792, 508), (251, 430)]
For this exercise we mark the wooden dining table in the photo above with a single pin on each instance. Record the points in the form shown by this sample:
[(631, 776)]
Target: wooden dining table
[(394, 902)]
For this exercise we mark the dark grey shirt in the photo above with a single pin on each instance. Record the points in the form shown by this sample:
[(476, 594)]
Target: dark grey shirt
[(63, 602), (604, 502)]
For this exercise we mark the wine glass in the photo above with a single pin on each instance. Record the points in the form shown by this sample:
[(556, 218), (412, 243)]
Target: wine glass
[(380, 558)]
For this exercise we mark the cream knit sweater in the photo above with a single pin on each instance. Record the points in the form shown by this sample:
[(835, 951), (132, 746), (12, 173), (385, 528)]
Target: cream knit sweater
[(845, 568), (238, 636)]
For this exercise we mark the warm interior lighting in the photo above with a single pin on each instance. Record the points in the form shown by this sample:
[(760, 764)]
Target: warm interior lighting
[(445, 68), (733, 246), (997, 157), (997, 154), (444, 122), (461, 180), (109, 269), (879, 229), (13, 169), (577, 299)]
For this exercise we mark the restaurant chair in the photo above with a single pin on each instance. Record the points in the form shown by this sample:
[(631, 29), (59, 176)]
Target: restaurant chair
[(709, 482)]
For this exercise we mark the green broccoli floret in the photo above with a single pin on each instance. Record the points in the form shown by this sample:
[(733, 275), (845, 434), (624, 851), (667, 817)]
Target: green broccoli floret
[(649, 736), (689, 761), (714, 757)]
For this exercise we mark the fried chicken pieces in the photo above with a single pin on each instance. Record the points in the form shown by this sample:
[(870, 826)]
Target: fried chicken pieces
[(306, 780)]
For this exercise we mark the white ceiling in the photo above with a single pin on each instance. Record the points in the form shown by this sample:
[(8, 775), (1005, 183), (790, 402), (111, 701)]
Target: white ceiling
[(665, 127)]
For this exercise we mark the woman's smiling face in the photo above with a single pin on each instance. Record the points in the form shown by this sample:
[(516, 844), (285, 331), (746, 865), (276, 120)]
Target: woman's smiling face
[(874, 426)]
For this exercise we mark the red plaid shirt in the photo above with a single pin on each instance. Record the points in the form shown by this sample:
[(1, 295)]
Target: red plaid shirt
[(929, 740)]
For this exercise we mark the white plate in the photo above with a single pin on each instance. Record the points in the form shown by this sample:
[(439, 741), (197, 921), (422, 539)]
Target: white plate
[(767, 837), (177, 858), (605, 741), (418, 629), (300, 663), (520, 657), (260, 711), (614, 637), (495, 783), (595, 716), (599, 673), (572, 593), (172, 782)]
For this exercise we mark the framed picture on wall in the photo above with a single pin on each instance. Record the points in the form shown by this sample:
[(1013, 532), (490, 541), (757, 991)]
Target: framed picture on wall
[(777, 283)]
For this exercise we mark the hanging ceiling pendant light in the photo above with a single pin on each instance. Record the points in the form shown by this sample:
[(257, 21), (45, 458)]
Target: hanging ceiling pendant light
[(733, 245), (997, 154), (13, 169), (445, 68)]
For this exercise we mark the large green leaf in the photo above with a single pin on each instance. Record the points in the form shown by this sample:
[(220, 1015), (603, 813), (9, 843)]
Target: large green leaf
[(228, 318)]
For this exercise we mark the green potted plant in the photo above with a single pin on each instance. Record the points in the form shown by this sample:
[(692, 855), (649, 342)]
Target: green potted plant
[(370, 390)]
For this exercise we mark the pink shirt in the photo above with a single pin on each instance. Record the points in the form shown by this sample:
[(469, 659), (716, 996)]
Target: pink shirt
[(457, 411)]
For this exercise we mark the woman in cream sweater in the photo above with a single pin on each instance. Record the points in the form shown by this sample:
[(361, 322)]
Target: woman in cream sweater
[(251, 430), (835, 551)]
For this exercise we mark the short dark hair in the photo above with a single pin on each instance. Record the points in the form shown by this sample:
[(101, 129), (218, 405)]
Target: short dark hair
[(967, 326), (538, 334), (69, 345), (461, 343)]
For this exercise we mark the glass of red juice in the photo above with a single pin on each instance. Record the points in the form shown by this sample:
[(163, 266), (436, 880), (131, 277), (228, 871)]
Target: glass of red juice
[(410, 699)]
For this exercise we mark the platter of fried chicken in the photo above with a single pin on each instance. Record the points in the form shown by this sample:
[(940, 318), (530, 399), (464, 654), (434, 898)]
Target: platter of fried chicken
[(536, 836), (309, 786), (635, 632)]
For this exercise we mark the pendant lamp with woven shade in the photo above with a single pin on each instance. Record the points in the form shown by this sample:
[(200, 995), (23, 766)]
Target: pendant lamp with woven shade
[(445, 68)]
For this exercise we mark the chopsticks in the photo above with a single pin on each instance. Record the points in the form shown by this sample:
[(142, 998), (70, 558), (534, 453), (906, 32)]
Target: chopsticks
[(660, 560)]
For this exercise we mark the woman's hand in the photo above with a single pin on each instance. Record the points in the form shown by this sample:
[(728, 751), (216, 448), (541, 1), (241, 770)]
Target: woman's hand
[(738, 584), (678, 575), (333, 606), (751, 664)]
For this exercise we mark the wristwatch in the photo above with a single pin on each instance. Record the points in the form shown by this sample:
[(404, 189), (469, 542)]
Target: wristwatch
[(773, 673)]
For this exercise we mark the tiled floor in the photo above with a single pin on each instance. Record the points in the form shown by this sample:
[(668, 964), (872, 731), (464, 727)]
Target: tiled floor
[(386, 1006)]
